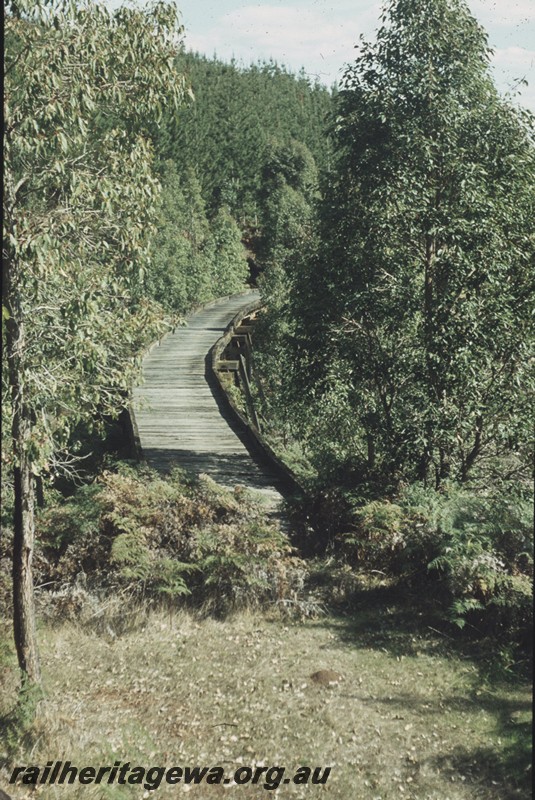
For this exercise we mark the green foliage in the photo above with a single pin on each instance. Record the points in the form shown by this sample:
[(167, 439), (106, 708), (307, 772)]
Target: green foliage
[(245, 565), (138, 566), (151, 537), (289, 163), (87, 514), (229, 270), (289, 184), (224, 133), (487, 563), (479, 548), (409, 328), (436, 275), (179, 274), (79, 203), (380, 526), (193, 259), (285, 244)]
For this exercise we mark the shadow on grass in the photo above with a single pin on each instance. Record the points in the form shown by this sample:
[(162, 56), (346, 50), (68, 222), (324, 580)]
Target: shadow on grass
[(505, 770), (505, 778), (391, 619), (386, 619)]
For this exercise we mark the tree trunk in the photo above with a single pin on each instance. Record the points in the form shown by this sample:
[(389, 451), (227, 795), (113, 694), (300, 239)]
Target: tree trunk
[(371, 451), (24, 518), (23, 544), (468, 462)]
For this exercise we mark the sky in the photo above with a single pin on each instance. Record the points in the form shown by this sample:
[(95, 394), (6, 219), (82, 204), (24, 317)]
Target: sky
[(320, 35)]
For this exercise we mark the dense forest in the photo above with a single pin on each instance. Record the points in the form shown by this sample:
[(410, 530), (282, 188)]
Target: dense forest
[(388, 224), (215, 156)]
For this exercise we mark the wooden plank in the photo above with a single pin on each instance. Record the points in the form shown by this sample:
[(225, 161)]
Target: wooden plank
[(248, 395)]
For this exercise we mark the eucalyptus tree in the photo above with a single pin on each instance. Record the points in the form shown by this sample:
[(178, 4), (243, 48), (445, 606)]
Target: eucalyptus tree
[(424, 280), (78, 206), (286, 240)]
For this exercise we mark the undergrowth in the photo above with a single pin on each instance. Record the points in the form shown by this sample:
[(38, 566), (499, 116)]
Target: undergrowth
[(135, 535), (471, 552)]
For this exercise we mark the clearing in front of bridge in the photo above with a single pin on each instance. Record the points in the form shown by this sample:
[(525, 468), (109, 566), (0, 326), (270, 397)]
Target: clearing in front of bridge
[(410, 717)]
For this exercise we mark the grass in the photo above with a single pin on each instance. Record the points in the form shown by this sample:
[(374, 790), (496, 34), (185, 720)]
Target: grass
[(412, 718)]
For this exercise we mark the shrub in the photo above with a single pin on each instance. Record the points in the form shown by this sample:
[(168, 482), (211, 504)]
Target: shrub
[(379, 534), (248, 564), (478, 547), (137, 533), (486, 563), (398, 538)]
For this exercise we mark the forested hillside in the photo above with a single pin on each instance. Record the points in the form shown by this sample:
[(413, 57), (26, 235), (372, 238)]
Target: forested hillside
[(389, 227), (235, 115), (212, 157)]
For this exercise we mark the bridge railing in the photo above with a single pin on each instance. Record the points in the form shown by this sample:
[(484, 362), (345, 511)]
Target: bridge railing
[(237, 341)]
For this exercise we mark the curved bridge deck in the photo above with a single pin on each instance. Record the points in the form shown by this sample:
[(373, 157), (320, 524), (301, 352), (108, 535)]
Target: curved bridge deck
[(178, 412)]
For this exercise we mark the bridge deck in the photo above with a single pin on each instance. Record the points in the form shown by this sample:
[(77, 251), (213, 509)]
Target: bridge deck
[(178, 412)]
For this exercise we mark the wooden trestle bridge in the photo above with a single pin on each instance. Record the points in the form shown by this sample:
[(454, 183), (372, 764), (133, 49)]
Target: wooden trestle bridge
[(180, 416)]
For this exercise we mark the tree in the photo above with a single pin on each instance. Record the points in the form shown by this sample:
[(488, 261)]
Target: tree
[(229, 270), (78, 208), (287, 241), (193, 259), (179, 274), (423, 283)]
